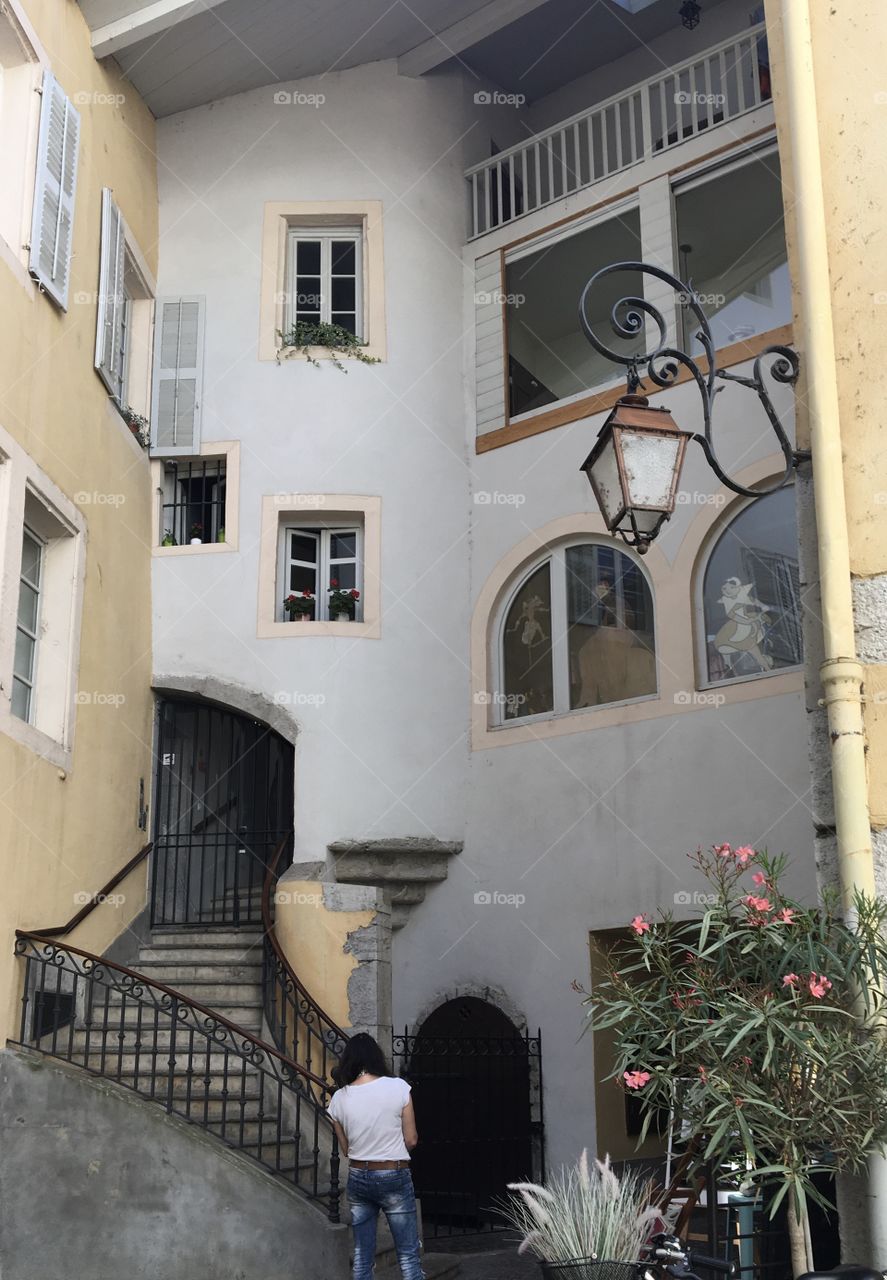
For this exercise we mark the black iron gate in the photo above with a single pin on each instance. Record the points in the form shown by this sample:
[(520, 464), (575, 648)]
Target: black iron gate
[(478, 1102), (224, 799)]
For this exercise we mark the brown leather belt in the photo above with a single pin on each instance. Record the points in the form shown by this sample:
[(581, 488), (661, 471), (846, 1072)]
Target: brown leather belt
[(379, 1164)]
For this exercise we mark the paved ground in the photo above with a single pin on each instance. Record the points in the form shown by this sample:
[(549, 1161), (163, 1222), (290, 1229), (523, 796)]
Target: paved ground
[(501, 1264)]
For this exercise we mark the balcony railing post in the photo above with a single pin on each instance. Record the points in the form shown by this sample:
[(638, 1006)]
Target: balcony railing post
[(174, 1015), (334, 1180)]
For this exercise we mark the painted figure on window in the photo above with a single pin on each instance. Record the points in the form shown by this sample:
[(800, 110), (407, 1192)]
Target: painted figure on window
[(746, 624), (532, 632)]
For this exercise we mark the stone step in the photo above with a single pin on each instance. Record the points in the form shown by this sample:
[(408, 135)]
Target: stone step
[(210, 992), (217, 936), (245, 1013), (125, 1063), (176, 973), (209, 954), (116, 1038)]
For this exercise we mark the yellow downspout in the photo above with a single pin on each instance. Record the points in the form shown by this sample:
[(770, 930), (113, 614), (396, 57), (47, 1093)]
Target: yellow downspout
[(841, 673)]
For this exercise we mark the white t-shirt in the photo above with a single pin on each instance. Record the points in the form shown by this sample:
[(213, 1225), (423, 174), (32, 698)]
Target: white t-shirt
[(371, 1115)]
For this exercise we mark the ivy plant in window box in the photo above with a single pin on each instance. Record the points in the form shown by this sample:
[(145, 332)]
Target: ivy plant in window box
[(138, 425), (305, 334)]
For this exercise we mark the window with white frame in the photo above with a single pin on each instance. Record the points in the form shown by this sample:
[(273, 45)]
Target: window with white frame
[(193, 501), (751, 593), (324, 273), (124, 330), (27, 625), (320, 573), (19, 107), (549, 358), (576, 631)]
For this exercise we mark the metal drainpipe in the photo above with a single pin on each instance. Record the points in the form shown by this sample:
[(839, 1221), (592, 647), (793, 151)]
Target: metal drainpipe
[(841, 673)]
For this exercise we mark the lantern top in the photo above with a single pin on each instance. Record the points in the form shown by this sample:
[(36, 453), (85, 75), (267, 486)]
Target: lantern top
[(635, 410)]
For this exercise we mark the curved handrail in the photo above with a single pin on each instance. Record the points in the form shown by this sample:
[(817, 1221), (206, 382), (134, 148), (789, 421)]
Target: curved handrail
[(59, 931), (140, 979), (293, 982)]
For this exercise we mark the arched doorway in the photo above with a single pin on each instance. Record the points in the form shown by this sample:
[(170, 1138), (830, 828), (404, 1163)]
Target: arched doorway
[(223, 802), (477, 1092)]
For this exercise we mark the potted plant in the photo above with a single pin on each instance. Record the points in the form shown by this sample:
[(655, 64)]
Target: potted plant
[(196, 533), (761, 1025), (305, 334), (169, 539), (138, 425), (299, 605), (585, 1223), (220, 536), (342, 603)]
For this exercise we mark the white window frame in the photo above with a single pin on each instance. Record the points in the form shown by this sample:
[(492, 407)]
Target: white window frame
[(555, 557), (699, 628), (325, 235), (129, 379), (20, 108), (226, 452), (38, 588), (323, 533)]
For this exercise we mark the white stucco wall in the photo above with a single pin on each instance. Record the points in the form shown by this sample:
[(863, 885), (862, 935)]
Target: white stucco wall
[(590, 827)]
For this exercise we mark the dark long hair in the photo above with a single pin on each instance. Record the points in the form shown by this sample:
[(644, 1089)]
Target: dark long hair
[(361, 1053)]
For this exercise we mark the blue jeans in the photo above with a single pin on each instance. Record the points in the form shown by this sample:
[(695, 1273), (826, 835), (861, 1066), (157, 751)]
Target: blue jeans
[(370, 1190)]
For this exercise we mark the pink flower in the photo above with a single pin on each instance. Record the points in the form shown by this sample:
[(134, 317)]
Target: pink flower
[(703, 1074), (790, 980), (758, 904), (743, 854), (635, 1079), (818, 986), (786, 915), (640, 925), (723, 850), (759, 878)]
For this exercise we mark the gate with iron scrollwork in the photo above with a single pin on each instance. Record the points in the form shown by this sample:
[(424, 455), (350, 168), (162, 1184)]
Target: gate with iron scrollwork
[(477, 1092)]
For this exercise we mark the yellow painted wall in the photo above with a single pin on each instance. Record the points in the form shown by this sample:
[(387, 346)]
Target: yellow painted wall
[(63, 835), (849, 38)]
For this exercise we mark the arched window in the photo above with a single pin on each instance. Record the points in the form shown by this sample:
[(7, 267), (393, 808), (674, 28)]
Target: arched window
[(751, 595), (576, 632)]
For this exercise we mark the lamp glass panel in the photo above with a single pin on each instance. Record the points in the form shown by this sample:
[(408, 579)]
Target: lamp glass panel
[(649, 459), (604, 475)]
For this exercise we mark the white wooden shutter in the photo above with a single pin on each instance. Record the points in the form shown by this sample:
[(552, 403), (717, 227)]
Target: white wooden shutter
[(53, 221), (178, 375), (111, 296), (489, 344)]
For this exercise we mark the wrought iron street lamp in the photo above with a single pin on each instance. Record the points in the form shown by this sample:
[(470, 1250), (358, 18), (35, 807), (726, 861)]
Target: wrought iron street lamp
[(635, 466)]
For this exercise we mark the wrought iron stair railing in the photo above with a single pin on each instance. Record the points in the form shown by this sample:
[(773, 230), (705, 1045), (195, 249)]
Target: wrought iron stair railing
[(118, 1024), (300, 1027)]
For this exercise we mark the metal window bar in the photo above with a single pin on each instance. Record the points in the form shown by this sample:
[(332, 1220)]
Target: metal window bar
[(193, 506)]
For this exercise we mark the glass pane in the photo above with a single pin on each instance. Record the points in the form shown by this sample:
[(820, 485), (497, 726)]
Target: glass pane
[(549, 358), (345, 320), (752, 592), (23, 663), (302, 578), (342, 545), (343, 294), (344, 576), (308, 257), (344, 257), (28, 600), (303, 547), (31, 558), (732, 241), (526, 649), (21, 700), (309, 295), (610, 621)]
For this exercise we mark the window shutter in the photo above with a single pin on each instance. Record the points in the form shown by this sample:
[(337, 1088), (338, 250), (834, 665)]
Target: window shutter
[(178, 375), (53, 220), (111, 297)]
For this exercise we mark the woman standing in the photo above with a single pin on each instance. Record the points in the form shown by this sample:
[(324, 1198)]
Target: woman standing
[(374, 1120)]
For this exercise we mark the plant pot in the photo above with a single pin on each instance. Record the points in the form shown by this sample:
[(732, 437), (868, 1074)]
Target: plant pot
[(343, 617), (196, 542), (589, 1269), (299, 617)]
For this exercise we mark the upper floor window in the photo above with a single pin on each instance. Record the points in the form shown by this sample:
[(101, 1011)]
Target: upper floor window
[(731, 245), (323, 273), (321, 568), (751, 594), (27, 626), (577, 632), (193, 501), (124, 330), (549, 357)]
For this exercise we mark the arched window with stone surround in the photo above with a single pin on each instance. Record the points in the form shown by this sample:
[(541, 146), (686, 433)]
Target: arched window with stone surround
[(751, 594), (576, 631)]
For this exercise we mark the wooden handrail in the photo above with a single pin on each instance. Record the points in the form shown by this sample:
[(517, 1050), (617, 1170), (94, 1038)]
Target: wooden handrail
[(142, 980), (60, 930), (271, 935)]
